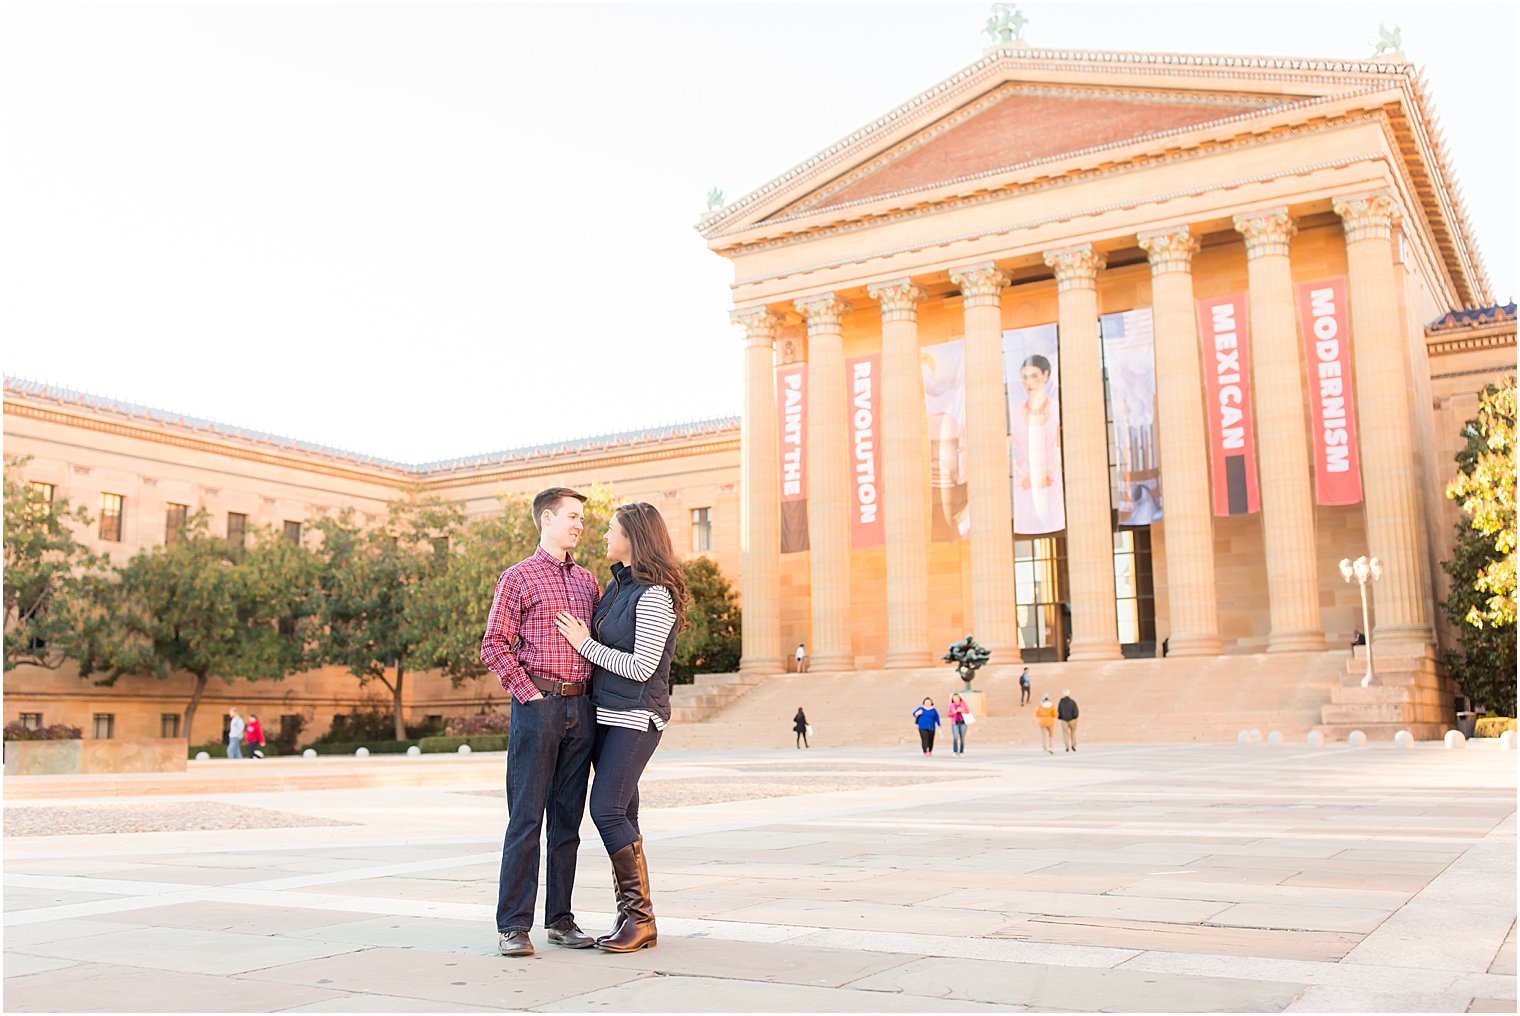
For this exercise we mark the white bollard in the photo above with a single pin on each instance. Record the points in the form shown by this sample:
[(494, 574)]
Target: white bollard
[(1403, 739), (1315, 739), (1507, 741), (202, 756), (1356, 739), (309, 753), (1274, 737), (464, 749), (1255, 737), (1244, 737), (361, 753), (1455, 739), (414, 750)]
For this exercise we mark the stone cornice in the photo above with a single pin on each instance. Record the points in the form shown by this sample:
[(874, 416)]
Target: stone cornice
[(1500, 336)]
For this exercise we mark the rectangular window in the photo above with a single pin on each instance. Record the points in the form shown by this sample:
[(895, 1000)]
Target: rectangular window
[(1042, 611), (111, 508), (293, 532), (701, 530), (174, 522), (39, 501), (237, 529), (168, 724), (31, 721), (105, 726), (1134, 591)]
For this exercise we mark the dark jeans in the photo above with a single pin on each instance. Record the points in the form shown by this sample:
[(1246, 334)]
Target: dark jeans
[(1023, 695), (621, 755), (958, 737), (926, 738), (548, 761)]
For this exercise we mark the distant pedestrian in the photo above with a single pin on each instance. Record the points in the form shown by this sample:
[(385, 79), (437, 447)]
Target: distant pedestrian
[(800, 725), (1066, 711), (800, 658), (927, 718), (235, 734), (1045, 715), (1024, 688), (1358, 639), (253, 736), (1166, 647), (958, 711)]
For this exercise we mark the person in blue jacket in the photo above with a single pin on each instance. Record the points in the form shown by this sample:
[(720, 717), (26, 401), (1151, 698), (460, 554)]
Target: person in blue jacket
[(927, 718)]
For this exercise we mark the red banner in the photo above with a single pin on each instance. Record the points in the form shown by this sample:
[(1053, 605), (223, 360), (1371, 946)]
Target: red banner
[(791, 413), (863, 410), (1225, 335), (1324, 320)]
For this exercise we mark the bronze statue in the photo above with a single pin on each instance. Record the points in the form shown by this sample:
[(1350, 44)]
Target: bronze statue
[(968, 658)]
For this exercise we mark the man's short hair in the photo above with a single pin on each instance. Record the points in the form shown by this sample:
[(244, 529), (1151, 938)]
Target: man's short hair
[(548, 500)]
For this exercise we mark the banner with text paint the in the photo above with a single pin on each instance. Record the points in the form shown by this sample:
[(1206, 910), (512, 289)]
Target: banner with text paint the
[(791, 415)]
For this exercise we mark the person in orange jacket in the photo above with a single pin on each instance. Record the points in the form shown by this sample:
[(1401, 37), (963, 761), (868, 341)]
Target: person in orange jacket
[(1046, 715)]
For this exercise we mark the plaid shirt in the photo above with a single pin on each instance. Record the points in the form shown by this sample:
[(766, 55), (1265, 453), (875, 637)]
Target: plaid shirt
[(521, 639)]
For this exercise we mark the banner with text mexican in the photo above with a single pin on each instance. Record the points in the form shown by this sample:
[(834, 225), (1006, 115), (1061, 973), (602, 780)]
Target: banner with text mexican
[(1324, 320), (1224, 332), (791, 413)]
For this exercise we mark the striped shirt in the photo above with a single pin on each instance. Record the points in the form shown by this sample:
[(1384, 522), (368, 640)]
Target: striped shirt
[(654, 617)]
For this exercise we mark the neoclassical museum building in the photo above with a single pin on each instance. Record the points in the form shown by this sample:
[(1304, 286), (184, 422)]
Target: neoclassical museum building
[(1099, 356)]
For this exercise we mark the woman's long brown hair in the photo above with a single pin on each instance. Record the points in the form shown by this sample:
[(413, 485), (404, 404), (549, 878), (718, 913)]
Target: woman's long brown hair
[(654, 561)]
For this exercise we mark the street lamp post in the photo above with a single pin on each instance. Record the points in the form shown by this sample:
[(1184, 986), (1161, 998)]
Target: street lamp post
[(1362, 569)]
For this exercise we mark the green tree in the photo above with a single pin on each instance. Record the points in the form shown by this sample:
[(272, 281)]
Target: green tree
[(375, 584), (710, 642), (50, 577), (1481, 603), (208, 608)]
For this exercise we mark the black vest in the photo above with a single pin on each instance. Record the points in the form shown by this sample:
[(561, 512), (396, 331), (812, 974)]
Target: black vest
[(615, 626)]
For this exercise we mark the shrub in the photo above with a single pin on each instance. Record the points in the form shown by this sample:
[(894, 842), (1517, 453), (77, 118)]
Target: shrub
[(474, 726), (56, 732), (481, 742), (376, 747), (1488, 726), (219, 750)]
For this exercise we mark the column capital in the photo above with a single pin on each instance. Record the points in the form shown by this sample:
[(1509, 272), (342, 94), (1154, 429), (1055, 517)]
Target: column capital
[(981, 285), (1266, 232), (1170, 250), (1076, 267), (760, 325), (1367, 216), (823, 312), (899, 300)]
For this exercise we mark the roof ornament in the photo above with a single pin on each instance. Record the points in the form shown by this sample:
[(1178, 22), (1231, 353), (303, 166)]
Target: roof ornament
[(1390, 40), (714, 200), (1006, 26)]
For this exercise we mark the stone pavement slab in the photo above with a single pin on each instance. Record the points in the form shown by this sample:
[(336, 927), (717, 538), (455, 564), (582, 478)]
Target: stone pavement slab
[(101, 987), (190, 951), (703, 994)]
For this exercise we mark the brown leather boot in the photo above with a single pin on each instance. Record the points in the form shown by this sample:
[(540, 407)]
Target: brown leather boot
[(635, 929), (617, 906)]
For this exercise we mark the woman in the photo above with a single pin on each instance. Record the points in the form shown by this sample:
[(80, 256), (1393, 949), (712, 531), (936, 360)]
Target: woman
[(253, 736), (927, 718), (1046, 715), (800, 725), (958, 710), (1036, 436), (630, 644)]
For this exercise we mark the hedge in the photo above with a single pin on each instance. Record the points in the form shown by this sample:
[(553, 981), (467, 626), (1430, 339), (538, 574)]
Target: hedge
[(1488, 726), (480, 742), (375, 747), (220, 750)]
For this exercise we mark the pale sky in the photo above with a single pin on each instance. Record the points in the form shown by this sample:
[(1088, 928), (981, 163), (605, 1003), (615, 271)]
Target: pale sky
[(425, 231)]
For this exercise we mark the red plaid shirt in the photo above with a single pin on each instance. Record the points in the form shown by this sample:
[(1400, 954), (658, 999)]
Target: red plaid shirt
[(521, 639)]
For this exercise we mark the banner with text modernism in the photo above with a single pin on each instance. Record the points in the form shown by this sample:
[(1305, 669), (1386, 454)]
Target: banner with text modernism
[(1325, 323), (1224, 332)]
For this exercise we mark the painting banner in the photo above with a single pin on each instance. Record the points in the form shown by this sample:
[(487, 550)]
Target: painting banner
[(1129, 353), (862, 410), (1325, 324), (1224, 334), (791, 413), (1031, 371), (944, 370)]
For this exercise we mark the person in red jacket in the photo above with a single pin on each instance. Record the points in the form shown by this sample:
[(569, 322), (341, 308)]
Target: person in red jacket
[(254, 736)]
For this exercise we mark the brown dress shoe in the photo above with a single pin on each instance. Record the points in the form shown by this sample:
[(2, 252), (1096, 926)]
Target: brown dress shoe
[(514, 943), (570, 936), (635, 928)]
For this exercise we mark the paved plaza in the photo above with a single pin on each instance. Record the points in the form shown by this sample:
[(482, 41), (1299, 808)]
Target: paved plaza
[(1140, 878)]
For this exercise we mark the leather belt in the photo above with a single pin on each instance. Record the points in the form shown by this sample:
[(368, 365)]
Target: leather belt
[(566, 689)]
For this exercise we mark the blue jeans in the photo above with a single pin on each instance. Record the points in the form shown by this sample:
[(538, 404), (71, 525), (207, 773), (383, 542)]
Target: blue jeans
[(548, 761), (621, 755), (958, 737), (234, 747)]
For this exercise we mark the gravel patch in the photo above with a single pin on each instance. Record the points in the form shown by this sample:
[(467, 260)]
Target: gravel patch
[(155, 818), (706, 790)]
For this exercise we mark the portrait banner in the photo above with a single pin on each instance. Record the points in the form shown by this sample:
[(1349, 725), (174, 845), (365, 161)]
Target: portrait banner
[(1326, 325), (1129, 354), (1031, 372), (1224, 333), (791, 413), (944, 371), (863, 402)]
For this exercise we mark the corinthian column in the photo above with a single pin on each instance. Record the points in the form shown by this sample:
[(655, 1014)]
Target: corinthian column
[(828, 487), (1188, 522), (760, 480), (993, 606), (1084, 457), (1287, 500), (1389, 456), (905, 450)]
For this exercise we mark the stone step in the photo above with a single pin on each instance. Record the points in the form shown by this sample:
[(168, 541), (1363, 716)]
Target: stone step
[(1370, 712), (1378, 694), (1383, 731)]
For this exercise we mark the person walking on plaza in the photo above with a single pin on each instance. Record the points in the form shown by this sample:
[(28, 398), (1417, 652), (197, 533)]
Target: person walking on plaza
[(800, 725), (630, 644), (1024, 688), (958, 711), (1045, 715), (253, 736), (552, 728), (235, 731), (1066, 711), (927, 718), (801, 658)]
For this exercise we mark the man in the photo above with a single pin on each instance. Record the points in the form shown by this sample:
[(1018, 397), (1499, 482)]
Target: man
[(235, 734), (1024, 688), (1066, 712), (553, 725), (801, 658)]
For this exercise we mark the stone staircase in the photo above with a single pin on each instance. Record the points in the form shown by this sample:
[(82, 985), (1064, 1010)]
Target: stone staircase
[(1413, 693), (707, 694)]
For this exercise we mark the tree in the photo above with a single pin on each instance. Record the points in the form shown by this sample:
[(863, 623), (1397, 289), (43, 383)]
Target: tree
[(374, 583), (710, 642), (206, 607), (1481, 603), (49, 575)]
